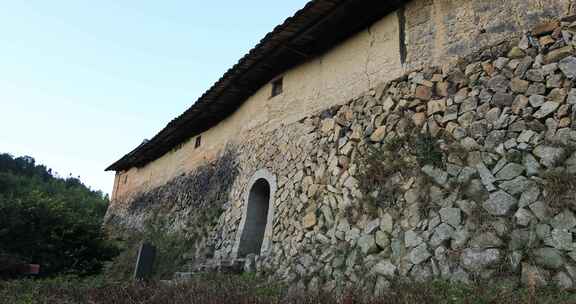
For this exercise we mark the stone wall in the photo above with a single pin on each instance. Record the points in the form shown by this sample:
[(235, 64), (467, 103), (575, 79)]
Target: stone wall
[(488, 191), (472, 174)]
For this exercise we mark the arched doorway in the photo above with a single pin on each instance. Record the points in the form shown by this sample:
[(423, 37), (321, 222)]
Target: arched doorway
[(256, 225), (256, 218)]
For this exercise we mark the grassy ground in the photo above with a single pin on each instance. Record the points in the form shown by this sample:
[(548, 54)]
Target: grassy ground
[(248, 289)]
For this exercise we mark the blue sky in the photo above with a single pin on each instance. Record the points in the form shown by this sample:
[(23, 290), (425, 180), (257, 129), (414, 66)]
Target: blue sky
[(83, 82)]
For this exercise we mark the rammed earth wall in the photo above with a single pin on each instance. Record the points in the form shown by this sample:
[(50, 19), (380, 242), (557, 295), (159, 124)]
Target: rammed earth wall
[(458, 173)]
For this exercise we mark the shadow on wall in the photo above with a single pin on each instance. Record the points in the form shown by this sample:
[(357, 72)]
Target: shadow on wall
[(193, 201)]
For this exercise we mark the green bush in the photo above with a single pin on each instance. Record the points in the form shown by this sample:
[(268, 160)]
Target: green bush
[(44, 231)]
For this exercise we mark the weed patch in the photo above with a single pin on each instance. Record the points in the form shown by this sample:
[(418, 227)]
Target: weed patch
[(172, 249), (382, 167)]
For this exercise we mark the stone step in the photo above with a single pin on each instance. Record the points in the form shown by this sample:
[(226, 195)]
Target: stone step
[(184, 276), (212, 266)]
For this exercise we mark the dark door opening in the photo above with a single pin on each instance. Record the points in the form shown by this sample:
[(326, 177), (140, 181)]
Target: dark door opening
[(256, 219)]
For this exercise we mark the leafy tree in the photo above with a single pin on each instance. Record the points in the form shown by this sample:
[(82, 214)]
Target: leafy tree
[(51, 221)]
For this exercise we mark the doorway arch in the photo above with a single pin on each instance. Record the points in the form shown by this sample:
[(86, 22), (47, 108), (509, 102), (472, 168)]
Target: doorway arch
[(255, 229)]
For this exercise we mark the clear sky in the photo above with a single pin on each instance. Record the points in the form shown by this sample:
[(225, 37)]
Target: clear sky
[(84, 82)]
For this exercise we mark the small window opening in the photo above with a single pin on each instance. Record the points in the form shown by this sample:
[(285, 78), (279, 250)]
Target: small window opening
[(277, 86), (198, 142), (178, 147), (125, 179)]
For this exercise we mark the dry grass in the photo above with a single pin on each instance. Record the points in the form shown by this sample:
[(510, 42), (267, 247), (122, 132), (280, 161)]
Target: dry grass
[(250, 290), (560, 187)]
